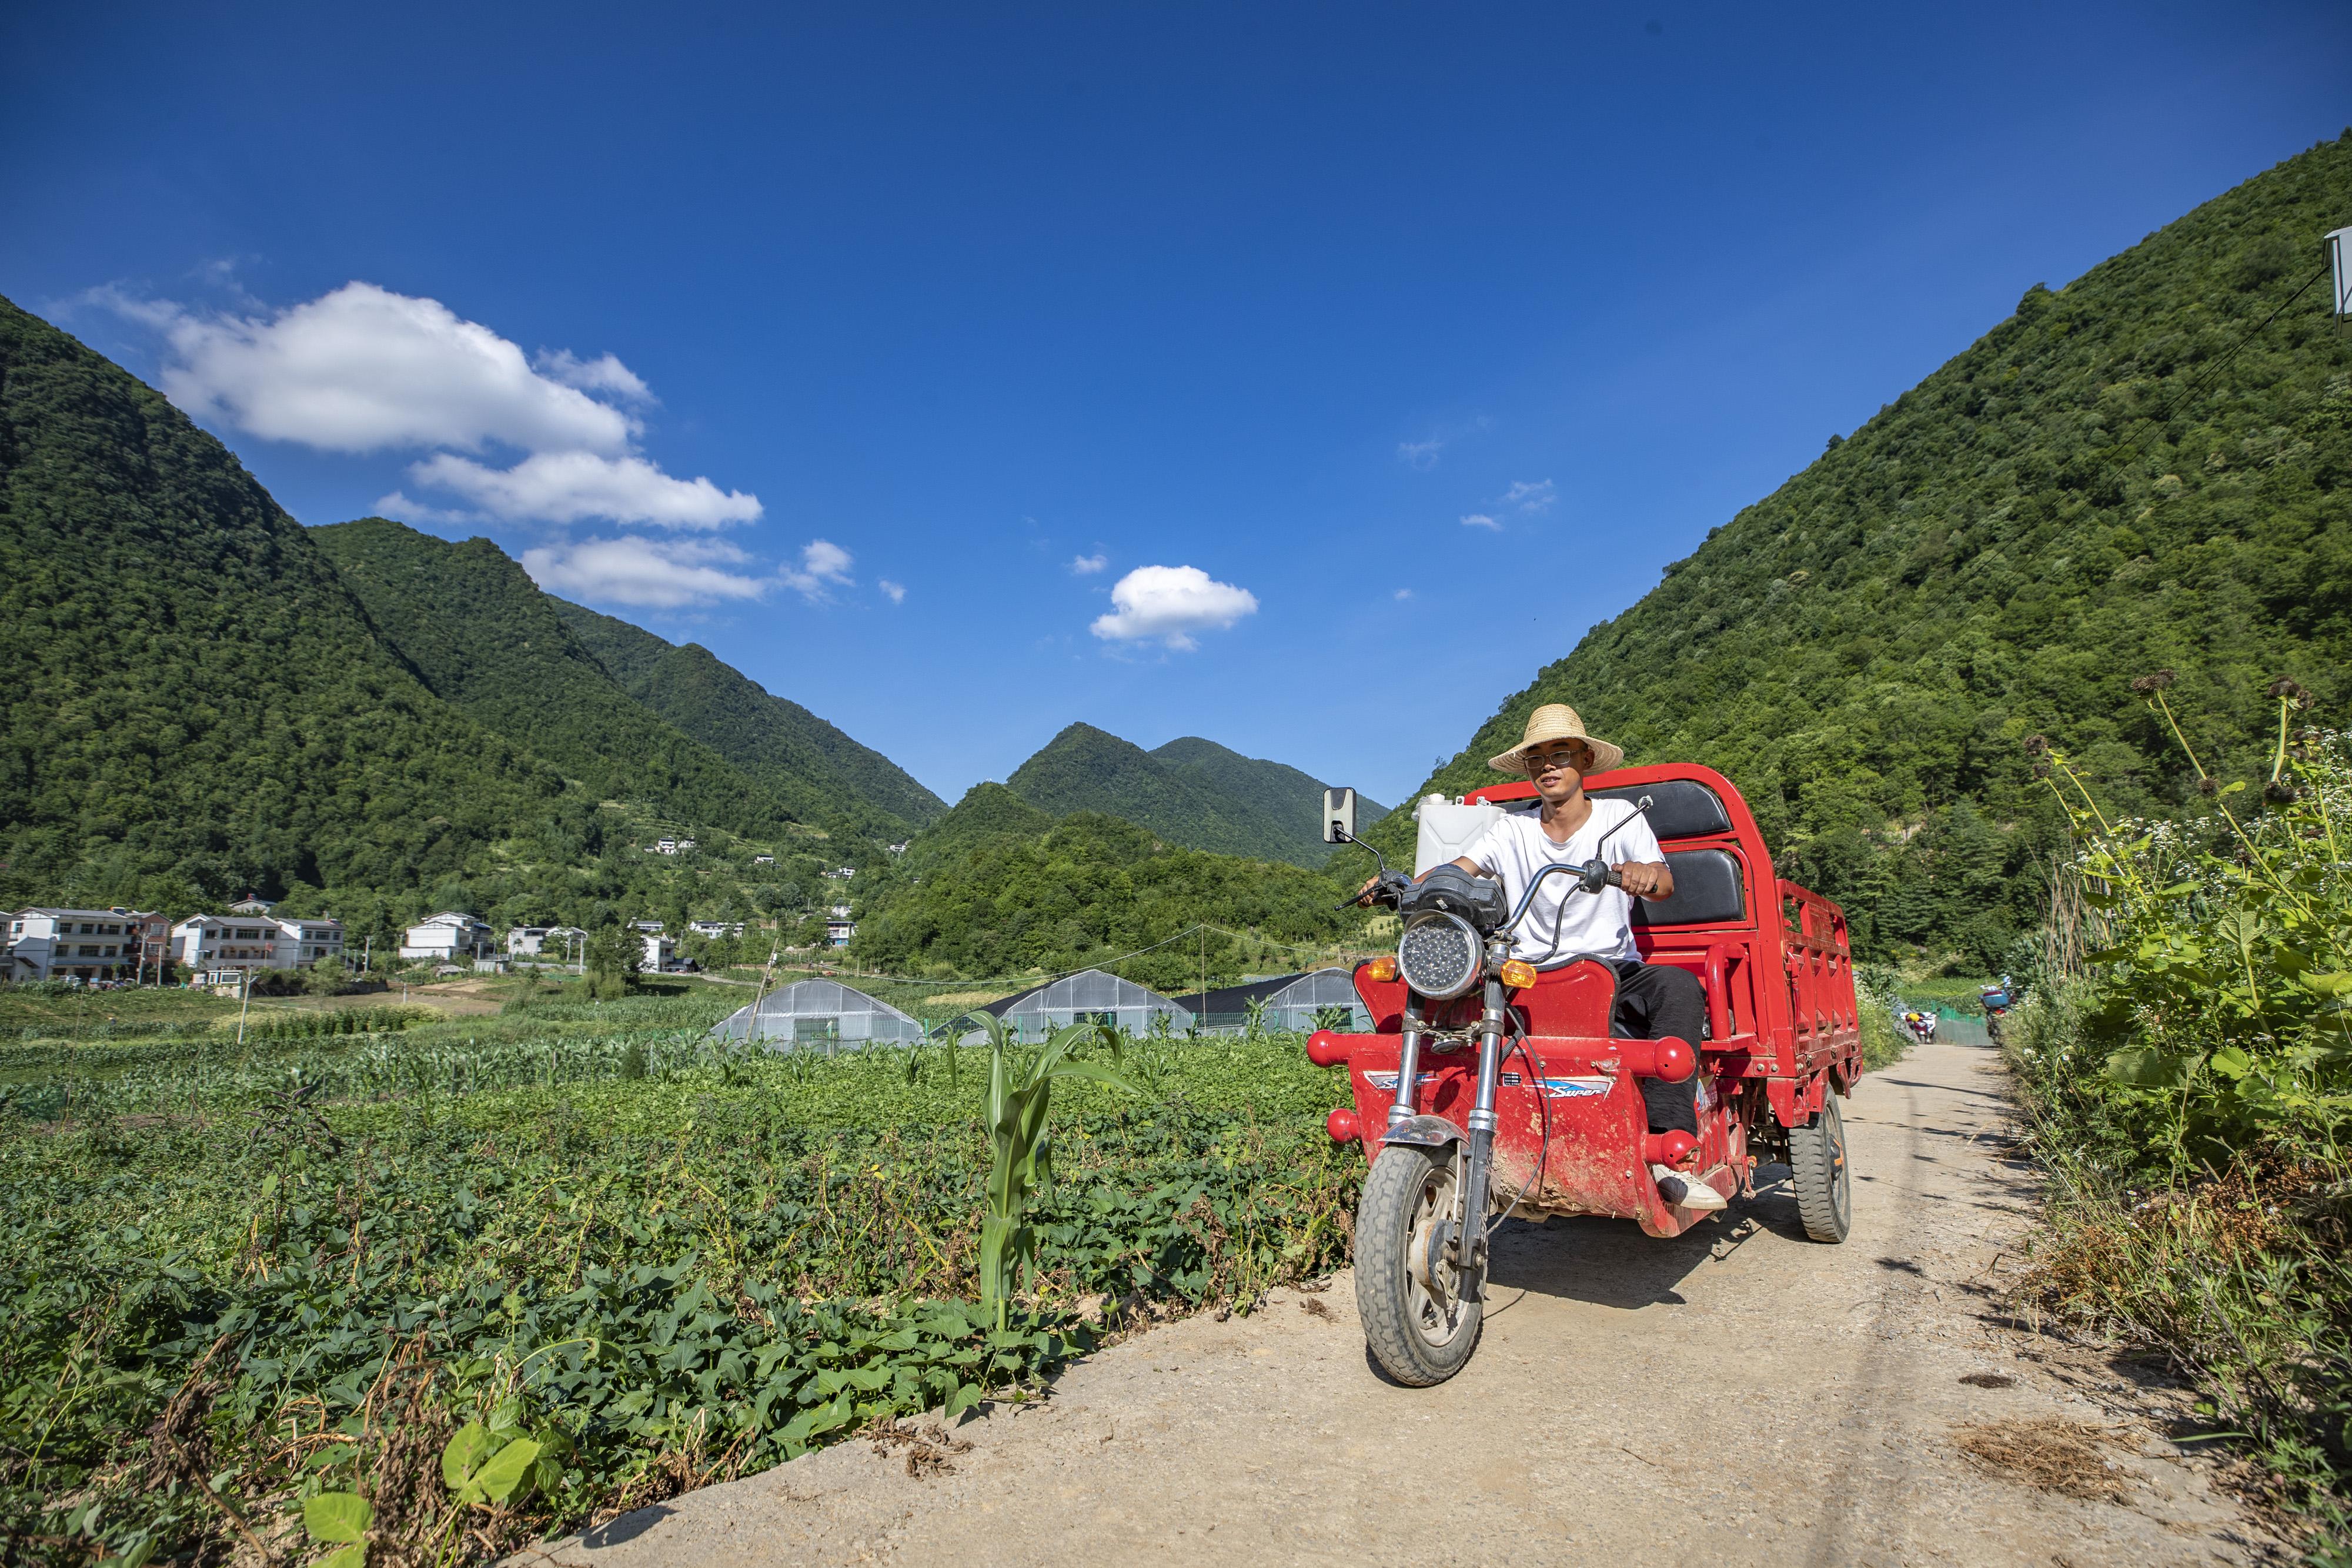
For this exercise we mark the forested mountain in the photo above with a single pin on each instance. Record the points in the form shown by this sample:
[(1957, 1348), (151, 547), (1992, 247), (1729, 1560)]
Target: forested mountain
[(195, 702), (1289, 801), (201, 705), (2124, 475), (818, 771), (472, 623), (997, 887), (1191, 792)]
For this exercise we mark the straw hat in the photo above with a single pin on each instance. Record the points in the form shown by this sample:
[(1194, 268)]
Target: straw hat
[(1556, 721)]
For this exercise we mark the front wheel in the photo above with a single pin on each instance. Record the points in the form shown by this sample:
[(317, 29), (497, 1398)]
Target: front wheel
[(1420, 1310), (1822, 1174)]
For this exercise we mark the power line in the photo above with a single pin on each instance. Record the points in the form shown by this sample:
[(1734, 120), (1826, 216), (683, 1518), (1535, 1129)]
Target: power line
[(2214, 369)]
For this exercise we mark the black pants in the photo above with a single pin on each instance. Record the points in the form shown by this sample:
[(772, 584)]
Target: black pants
[(1655, 1001)]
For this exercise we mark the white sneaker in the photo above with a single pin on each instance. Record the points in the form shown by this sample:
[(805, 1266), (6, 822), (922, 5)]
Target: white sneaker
[(1685, 1191)]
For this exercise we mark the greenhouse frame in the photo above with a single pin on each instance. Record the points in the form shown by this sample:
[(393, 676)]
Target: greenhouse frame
[(819, 1015), (1283, 1002), (1089, 996)]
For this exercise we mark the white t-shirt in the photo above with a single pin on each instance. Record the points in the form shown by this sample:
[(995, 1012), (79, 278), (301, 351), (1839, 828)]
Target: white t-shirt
[(1602, 924)]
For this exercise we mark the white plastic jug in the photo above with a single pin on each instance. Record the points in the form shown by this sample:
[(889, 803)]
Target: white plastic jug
[(1447, 829)]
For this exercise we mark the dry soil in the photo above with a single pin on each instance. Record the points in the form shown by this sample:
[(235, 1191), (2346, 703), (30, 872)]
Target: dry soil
[(1753, 1398)]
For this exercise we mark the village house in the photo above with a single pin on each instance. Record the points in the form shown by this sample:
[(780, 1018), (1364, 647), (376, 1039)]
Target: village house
[(227, 944), (306, 943), (46, 944), (447, 938), (541, 941)]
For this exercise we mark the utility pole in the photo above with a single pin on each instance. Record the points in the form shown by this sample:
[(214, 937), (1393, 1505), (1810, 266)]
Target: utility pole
[(244, 1002)]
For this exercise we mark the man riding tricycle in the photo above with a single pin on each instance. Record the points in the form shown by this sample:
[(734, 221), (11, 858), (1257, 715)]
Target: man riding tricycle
[(1602, 1002)]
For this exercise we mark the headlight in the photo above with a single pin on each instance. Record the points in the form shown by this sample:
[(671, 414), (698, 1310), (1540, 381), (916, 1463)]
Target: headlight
[(1438, 956)]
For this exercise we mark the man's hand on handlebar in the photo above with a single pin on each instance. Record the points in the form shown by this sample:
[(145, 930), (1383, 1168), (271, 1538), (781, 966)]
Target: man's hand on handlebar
[(1643, 879)]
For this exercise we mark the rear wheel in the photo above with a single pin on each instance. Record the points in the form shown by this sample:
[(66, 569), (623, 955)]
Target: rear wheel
[(1420, 1312), (1823, 1176)]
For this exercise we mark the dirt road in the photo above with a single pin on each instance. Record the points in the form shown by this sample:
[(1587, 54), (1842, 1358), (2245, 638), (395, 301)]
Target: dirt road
[(1633, 1401)]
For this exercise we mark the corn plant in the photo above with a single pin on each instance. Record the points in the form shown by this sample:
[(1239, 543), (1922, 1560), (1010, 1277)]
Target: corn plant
[(1020, 1158)]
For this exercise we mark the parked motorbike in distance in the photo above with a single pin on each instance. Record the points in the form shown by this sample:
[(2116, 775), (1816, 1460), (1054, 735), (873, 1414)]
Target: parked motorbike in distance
[(1996, 999)]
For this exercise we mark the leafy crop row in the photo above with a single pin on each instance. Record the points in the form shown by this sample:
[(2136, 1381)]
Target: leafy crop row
[(655, 1279)]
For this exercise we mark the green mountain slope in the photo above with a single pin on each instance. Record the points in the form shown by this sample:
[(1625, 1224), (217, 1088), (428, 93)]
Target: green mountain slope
[(195, 702), (1288, 799), (1204, 797), (816, 770), (997, 888), (472, 623), (2103, 485)]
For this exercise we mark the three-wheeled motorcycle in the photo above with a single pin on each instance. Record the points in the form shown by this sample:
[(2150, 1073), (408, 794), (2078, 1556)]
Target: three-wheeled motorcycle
[(1489, 1087)]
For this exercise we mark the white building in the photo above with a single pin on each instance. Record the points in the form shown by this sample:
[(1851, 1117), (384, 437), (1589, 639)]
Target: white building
[(543, 941), (715, 928), (304, 943), (661, 952), (673, 846), (249, 904), (211, 944), (85, 943), (448, 938), (763, 860), (838, 928)]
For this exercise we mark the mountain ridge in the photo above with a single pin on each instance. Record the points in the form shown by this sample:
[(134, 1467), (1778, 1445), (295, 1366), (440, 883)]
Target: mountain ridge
[(2060, 507), (797, 754), (1201, 795)]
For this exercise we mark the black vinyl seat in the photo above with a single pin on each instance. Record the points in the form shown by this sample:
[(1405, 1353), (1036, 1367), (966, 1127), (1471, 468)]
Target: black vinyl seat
[(1706, 889), (1679, 808)]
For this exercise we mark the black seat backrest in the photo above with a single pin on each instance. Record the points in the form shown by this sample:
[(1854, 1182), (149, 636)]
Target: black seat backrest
[(1706, 887), (1679, 808)]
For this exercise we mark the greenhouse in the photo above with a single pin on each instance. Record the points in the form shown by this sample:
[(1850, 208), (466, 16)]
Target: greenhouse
[(1088, 997), (821, 1014), (1320, 998)]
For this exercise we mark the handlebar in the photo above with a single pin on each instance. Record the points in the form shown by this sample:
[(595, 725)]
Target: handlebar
[(1386, 888)]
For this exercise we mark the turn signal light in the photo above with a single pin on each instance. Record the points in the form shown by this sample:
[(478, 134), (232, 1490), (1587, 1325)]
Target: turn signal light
[(1381, 969), (1519, 974)]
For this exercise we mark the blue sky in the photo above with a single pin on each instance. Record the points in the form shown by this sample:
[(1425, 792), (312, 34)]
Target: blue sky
[(979, 327)]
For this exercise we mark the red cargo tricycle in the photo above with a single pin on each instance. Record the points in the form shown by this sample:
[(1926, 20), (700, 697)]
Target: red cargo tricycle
[(1489, 1087)]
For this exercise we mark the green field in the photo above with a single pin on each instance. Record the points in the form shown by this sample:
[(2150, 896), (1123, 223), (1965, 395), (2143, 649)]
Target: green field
[(666, 1262)]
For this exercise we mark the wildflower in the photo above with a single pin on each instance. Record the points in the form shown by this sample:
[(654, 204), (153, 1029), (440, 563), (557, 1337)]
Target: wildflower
[(2153, 683), (2279, 792), (2035, 745), (2207, 787), (2043, 770), (2287, 690)]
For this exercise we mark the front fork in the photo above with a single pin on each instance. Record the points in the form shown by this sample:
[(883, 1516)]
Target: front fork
[(1471, 1197), (1467, 1246)]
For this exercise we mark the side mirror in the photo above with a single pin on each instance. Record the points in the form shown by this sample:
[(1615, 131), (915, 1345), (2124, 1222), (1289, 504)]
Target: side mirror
[(1339, 816)]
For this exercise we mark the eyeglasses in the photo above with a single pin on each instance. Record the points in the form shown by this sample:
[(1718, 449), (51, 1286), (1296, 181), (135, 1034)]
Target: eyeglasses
[(1575, 756)]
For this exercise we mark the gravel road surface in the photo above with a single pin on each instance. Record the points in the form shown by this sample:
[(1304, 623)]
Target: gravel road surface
[(1754, 1398)]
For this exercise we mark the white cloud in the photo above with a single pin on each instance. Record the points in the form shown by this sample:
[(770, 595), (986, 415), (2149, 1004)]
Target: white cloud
[(604, 373), (363, 369), (1168, 604), (896, 592), (573, 486), (1480, 520), (822, 562), (1404, 593), (660, 574), (1087, 565), (1529, 496), (1422, 455)]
